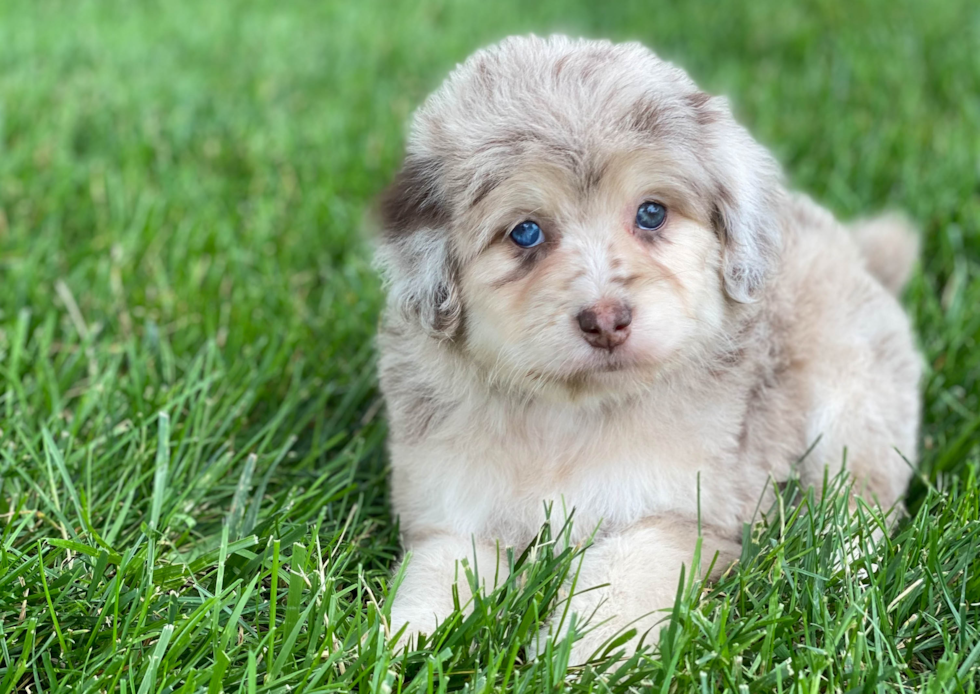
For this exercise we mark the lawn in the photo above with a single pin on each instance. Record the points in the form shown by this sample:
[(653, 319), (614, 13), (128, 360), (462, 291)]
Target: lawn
[(192, 464)]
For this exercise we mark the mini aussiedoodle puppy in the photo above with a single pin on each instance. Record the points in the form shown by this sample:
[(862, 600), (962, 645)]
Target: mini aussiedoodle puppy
[(601, 295)]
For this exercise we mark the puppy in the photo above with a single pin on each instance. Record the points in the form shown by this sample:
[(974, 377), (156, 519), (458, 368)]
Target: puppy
[(602, 298)]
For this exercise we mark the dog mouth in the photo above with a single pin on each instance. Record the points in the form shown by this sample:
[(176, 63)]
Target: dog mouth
[(604, 361), (598, 363)]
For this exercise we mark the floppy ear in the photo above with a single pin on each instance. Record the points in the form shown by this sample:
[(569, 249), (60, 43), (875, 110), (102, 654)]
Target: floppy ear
[(415, 257), (746, 183)]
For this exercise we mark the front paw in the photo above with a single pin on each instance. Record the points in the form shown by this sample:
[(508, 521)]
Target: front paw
[(412, 625), (600, 644), (597, 640), (582, 649)]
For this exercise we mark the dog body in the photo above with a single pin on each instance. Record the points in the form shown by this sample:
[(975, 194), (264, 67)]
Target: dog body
[(602, 299)]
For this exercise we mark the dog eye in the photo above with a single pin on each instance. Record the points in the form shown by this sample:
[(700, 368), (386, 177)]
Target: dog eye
[(651, 215), (527, 234)]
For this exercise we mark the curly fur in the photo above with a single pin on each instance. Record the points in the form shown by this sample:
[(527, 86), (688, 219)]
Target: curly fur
[(761, 328)]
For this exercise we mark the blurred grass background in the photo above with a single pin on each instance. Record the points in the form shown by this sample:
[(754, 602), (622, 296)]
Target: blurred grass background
[(187, 306)]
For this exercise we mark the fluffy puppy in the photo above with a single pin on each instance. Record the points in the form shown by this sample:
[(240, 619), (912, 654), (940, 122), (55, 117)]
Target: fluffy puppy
[(600, 293)]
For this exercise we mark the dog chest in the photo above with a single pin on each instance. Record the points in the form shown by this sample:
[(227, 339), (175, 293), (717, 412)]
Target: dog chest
[(502, 482)]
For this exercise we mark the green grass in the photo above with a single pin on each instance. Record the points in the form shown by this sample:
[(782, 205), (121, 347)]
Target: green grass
[(192, 466)]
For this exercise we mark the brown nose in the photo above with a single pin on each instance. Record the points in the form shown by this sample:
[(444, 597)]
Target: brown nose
[(606, 325)]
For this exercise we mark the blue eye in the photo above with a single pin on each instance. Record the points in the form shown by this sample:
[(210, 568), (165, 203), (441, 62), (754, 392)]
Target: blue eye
[(651, 215), (527, 234)]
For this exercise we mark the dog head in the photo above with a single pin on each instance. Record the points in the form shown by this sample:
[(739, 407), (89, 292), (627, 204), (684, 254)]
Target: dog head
[(576, 211)]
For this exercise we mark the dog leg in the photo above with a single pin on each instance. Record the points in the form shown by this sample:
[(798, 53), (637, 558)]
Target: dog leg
[(434, 565), (629, 581)]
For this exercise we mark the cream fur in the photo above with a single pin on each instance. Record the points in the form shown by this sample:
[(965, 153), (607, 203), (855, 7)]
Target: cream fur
[(758, 329)]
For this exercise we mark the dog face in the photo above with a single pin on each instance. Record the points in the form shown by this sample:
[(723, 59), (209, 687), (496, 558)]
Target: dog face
[(622, 275), (576, 212)]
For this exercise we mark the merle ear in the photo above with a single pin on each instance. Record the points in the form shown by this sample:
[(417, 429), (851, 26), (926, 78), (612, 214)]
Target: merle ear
[(415, 257), (746, 183)]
